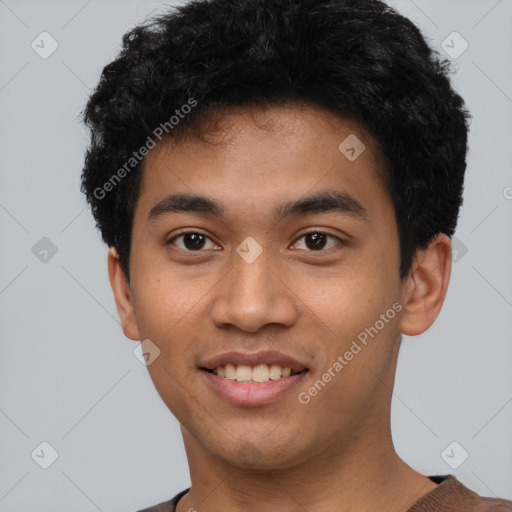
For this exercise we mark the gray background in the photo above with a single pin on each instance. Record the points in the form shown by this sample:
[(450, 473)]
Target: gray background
[(68, 375)]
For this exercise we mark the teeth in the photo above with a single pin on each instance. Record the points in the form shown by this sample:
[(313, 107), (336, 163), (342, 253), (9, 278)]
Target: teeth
[(243, 373), (275, 372), (230, 371), (260, 373)]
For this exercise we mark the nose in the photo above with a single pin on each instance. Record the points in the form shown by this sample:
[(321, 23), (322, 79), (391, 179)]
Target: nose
[(253, 295)]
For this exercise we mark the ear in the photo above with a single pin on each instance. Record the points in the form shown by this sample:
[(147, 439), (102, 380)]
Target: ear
[(122, 295), (425, 287)]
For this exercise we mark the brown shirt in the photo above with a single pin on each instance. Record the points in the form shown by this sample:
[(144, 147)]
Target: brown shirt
[(449, 496)]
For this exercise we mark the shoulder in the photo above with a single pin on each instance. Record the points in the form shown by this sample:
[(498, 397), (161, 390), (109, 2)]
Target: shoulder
[(493, 505), (166, 506), (452, 496)]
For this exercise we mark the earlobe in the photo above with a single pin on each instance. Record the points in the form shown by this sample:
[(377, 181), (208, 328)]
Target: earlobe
[(426, 285), (122, 296)]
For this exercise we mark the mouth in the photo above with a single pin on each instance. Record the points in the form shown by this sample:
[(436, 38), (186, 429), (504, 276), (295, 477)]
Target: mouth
[(253, 379), (255, 375)]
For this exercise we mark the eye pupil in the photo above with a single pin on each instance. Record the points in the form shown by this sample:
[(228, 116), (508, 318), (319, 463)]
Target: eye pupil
[(193, 240), (317, 239), (196, 241)]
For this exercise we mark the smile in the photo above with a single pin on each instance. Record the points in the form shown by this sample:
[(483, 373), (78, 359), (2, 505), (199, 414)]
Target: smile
[(256, 374), (251, 393)]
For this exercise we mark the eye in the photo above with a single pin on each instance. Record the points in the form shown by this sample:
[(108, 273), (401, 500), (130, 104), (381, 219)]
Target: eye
[(192, 241), (318, 241)]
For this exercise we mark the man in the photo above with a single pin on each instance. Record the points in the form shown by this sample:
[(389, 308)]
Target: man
[(278, 181)]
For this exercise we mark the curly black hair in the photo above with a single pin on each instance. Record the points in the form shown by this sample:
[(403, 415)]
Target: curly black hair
[(356, 57)]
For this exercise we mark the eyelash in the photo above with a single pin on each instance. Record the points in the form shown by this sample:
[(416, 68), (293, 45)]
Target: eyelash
[(340, 241)]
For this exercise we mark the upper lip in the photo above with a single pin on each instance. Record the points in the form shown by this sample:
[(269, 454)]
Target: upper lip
[(253, 359)]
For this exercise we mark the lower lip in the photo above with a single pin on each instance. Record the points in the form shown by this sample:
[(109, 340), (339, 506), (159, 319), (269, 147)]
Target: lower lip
[(253, 394)]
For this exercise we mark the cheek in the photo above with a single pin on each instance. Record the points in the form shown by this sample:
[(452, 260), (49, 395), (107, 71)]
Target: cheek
[(166, 307), (169, 313), (357, 319), (358, 294)]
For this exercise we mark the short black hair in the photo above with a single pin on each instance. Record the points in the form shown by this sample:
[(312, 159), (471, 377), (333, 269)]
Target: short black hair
[(356, 57)]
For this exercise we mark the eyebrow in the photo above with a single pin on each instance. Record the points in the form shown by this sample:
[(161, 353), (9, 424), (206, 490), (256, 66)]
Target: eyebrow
[(329, 201)]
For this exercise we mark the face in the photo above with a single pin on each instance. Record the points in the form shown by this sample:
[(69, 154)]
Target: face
[(290, 260)]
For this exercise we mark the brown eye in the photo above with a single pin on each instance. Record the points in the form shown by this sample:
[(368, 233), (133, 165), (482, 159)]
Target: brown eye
[(317, 241), (192, 241)]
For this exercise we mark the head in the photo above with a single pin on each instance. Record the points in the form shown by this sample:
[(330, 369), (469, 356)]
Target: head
[(321, 138)]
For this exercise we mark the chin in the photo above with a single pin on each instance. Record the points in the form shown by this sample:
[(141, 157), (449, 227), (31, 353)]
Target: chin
[(264, 456)]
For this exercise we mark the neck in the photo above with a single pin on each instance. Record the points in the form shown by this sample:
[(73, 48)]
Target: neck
[(363, 474)]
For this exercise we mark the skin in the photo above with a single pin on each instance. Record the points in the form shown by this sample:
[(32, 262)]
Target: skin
[(336, 452)]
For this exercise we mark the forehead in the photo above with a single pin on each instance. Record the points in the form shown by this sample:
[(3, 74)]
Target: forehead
[(267, 156)]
